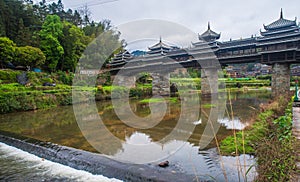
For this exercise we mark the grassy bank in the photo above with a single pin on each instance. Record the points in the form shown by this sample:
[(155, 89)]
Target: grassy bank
[(223, 82), (270, 139), (15, 97), (33, 95)]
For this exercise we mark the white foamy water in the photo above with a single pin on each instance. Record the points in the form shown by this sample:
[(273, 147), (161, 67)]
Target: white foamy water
[(19, 165), (233, 124)]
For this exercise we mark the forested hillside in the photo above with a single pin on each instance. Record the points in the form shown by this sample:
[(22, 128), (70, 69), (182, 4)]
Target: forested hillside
[(45, 35)]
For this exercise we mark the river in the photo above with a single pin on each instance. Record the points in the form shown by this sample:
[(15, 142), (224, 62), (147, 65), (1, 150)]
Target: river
[(191, 155)]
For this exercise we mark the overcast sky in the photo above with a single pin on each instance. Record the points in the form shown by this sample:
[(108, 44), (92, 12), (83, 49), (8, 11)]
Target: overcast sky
[(233, 18)]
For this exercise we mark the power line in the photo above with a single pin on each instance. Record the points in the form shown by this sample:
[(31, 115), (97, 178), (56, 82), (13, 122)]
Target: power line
[(93, 3), (105, 2)]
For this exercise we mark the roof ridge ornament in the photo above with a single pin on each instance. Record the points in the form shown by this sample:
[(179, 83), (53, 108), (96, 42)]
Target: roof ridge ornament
[(281, 14), (209, 35)]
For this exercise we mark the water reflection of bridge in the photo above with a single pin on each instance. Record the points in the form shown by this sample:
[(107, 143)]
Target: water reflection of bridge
[(278, 45)]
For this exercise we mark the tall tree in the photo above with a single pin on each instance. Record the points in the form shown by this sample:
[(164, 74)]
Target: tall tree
[(23, 37), (2, 23), (52, 26), (77, 20), (85, 14), (50, 45), (43, 9), (74, 42)]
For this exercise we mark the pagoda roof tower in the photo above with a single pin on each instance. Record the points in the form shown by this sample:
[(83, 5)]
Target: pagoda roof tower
[(159, 47), (280, 26), (120, 59), (209, 35), (280, 23)]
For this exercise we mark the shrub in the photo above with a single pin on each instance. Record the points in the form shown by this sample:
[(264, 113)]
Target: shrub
[(65, 78), (9, 76), (264, 77)]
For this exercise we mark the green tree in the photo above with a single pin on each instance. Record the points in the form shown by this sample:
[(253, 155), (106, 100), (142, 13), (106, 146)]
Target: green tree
[(52, 26), (50, 45), (94, 29), (29, 56), (2, 25), (52, 50), (7, 51), (23, 37), (42, 10), (101, 50), (74, 42)]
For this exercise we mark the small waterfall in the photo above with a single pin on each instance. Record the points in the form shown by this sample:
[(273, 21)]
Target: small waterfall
[(33, 168)]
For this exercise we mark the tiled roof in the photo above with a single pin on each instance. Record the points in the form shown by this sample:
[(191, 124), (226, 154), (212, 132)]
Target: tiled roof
[(121, 57), (209, 34), (239, 42), (160, 45), (280, 23)]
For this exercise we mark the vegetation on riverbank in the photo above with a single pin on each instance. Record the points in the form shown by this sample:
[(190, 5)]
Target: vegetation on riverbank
[(44, 35), (270, 139), (33, 94), (224, 82)]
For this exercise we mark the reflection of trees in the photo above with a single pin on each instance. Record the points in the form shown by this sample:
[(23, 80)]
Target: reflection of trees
[(58, 125), (34, 120)]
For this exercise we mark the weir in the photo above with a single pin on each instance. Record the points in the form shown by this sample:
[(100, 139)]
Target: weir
[(92, 162)]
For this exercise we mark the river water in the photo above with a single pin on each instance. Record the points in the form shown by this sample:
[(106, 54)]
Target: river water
[(196, 154)]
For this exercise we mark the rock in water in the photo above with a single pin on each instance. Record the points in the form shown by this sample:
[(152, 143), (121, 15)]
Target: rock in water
[(164, 164)]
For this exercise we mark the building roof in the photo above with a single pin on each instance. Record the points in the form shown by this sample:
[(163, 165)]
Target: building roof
[(280, 23), (238, 43), (159, 48), (120, 58), (209, 35), (159, 45)]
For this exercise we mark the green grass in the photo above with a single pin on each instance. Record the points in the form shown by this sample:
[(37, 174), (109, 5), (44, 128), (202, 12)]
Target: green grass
[(251, 137), (270, 139), (207, 106), (156, 100)]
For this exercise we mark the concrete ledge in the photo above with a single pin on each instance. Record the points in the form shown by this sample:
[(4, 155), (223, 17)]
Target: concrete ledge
[(296, 104), (92, 162)]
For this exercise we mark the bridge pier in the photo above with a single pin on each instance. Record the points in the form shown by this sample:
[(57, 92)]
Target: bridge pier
[(127, 81), (280, 79), (209, 81), (160, 84)]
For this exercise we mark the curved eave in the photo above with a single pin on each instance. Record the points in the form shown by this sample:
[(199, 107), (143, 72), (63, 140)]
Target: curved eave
[(281, 23), (282, 31), (209, 35), (283, 37), (159, 46)]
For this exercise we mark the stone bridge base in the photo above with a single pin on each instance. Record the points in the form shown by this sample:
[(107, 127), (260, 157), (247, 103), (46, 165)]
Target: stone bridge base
[(280, 79), (126, 81), (209, 81), (160, 84)]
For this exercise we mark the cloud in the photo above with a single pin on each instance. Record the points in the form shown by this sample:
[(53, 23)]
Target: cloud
[(151, 30), (233, 18)]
